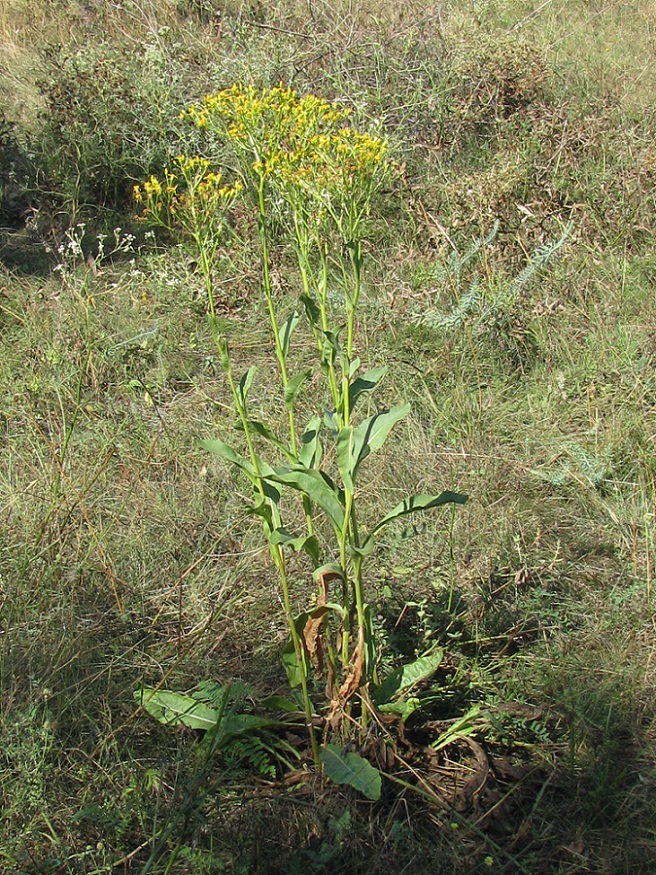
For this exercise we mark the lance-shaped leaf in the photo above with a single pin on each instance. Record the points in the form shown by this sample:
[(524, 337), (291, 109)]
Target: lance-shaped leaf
[(311, 311), (330, 347), (317, 486), (330, 421), (245, 384), (290, 662), (265, 432), (370, 435), (417, 503), (353, 367), (347, 767), (344, 448), (311, 451), (407, 676), (174, 709), (286, 332), (293, 387), (366, 382), (296, 542), (219, 448)]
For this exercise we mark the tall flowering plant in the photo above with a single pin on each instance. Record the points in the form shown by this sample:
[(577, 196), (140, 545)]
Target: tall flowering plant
[(306, 172)]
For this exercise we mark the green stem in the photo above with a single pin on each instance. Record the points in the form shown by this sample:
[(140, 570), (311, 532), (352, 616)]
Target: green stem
[(268, 293), (278, 558)]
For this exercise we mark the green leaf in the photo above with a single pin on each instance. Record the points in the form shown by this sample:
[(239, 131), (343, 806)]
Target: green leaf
[(226, 452), (366, 382), (293, 387), (301, 542), (355, 364), (350, 768), (311, 451), (462, 727), (317, 486), (286, 332), (218, 448), (174, 709), (417, 503), (279, 703), (265, 432), (405, 677), (245, 384), (344, 453), (311, 310), (403, 709), (239, 724), (370, 435), (330, 347), (330, 421), (288, 655)]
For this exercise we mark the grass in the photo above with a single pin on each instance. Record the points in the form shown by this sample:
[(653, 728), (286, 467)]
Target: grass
[(126, 554)]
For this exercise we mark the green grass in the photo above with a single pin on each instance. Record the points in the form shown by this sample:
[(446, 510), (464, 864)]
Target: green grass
[(126, 554)]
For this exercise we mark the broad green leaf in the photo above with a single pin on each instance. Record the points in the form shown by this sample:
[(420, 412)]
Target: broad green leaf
[(353, 367), (174, 709), (311, 451), (366, 382), (417, 503), (293, 387), (303, 542), (352, 769), (317, 486), (286, 332), (405, 677), (370, 435)]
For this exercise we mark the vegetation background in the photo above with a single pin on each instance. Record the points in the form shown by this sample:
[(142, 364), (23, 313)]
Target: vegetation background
[(125, 554)]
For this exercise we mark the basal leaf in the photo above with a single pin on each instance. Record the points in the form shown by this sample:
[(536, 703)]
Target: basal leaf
[(280, 703), (174, 709), (352, 769), (405, 677)]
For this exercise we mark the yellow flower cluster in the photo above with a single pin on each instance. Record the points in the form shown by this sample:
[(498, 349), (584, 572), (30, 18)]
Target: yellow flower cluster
[(192, 195), (301, 147)]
